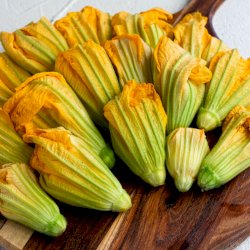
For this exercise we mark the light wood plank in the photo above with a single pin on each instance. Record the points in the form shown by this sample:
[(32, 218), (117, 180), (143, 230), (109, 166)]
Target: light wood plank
[(14, 236)]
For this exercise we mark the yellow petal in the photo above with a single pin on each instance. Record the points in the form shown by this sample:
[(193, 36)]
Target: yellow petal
[(10, 73), (44, 31), (214, 46), (159, 17), (88, 69), (131, 57), (191, 34), (150, 25), (137, 123), (200, 75), (88, 24), (14, 50), (5, 93), (12, 147), (35, 46), (238, 119), (117, 22)]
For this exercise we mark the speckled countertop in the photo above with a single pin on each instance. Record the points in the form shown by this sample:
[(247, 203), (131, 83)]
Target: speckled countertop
[(231, 21)]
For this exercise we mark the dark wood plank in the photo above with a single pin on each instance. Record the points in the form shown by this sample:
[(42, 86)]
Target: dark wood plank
[(167, 219), (232, 224)]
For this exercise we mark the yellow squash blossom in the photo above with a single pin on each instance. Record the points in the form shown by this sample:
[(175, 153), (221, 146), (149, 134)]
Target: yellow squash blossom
[(131, 57), (137, 123), (180, 80), (35, 46), (12, 148), (186, 148), (23, 200), (10, 73), (72, 173), (150, 25), (89, 71), (228, 87), (88, 24), (191, 34), (49, 96), (230, 156)]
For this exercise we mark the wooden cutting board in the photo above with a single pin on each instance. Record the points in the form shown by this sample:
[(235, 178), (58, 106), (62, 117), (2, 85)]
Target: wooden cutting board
[(160, 218)]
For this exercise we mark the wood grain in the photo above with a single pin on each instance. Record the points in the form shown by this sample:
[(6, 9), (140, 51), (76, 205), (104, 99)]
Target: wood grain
[(162, 218)]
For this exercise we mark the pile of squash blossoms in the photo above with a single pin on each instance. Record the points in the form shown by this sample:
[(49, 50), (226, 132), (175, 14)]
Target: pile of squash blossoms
[(140, 78)]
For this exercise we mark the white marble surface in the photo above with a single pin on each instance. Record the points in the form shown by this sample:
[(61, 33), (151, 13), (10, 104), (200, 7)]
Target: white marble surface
[(17, 13), (231, 22)]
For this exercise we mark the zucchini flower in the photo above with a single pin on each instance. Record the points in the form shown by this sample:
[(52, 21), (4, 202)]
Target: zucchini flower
[(186, 148), (137, 123), (191, 34), (150, 25), (228, 87), (180, 80), (131, 57), (88, 24), (90, 73), (10, 73), (35, 46), (12, 148), (47, 95), (230, 156), (72, 173), (23, 200)]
